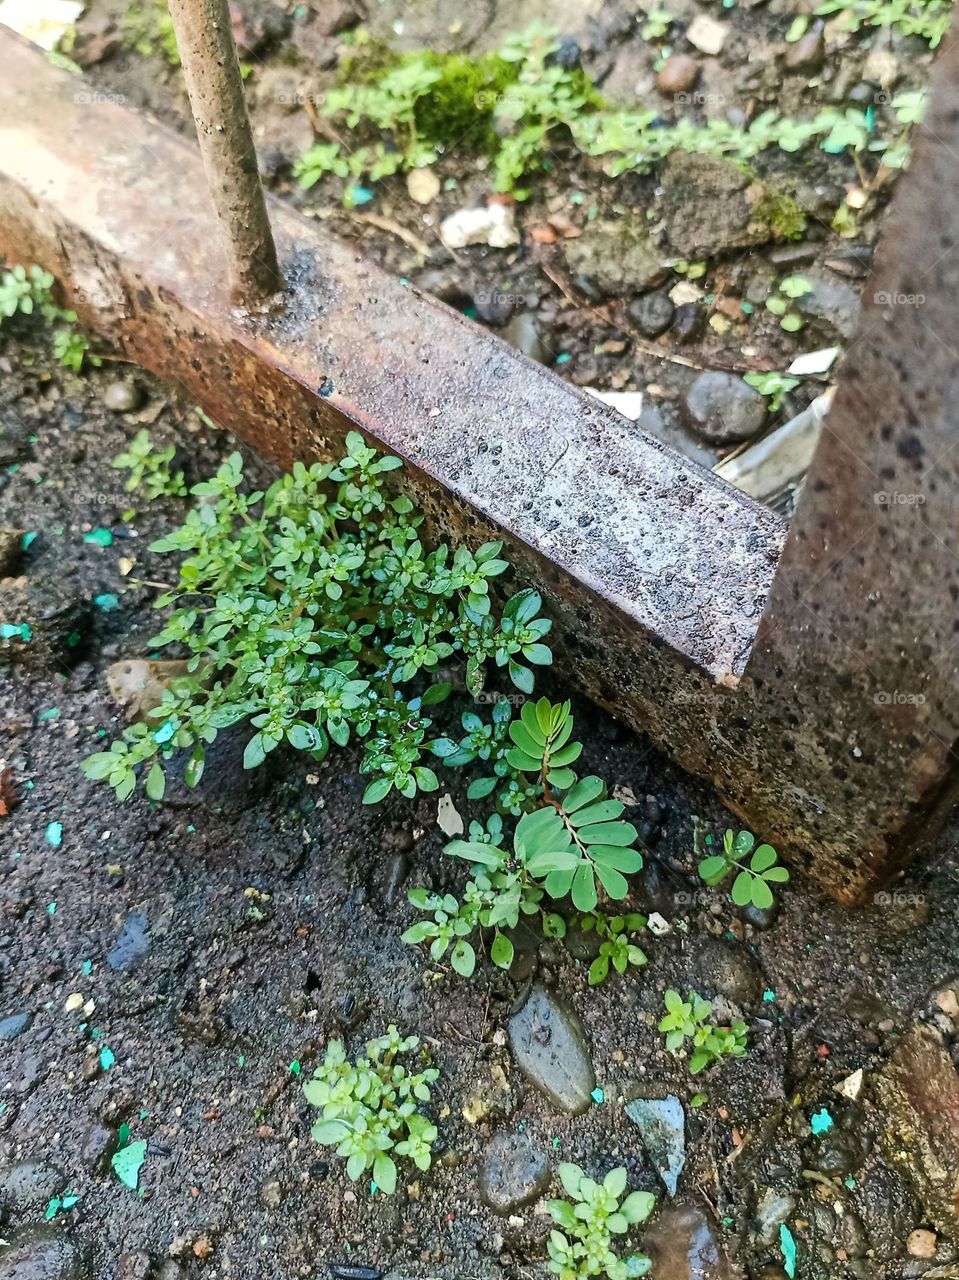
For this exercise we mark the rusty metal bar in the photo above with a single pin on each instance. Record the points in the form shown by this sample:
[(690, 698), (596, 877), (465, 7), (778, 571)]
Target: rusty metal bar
[(212, 73), (831, 725)]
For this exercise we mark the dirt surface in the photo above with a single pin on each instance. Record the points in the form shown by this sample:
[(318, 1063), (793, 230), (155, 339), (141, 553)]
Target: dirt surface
[(176, 968), (225, 935)]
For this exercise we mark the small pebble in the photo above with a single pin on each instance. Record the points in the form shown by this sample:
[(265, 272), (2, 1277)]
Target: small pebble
[(921, 1243), (123, 397)]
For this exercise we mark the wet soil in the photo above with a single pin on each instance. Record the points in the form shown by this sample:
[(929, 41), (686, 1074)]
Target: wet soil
[(219, 941)]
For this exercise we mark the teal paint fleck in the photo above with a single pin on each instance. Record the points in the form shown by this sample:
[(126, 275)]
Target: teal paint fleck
[(51, 908), (165, 732), (15, 631), (787, 1244), (107, 1058), (99, 537), (51, 713), (597, 1095), (821, 1122), (87, 968), (55, 834), (850, 1182), (769, 996), (563, 358), (107, 602), (295, 1067), (359, 195), (28, 538)]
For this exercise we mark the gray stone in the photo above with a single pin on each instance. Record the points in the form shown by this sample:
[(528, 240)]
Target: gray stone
[(833, 307), (514, 1172), (808, 52), (134, 1266), (29, 1184), (662, 1127), (774, 1208), (271, 1194), (709, 205), (40, 1253), (16, 1023), (722, 968), (651, 313), (122, 396), (684, 1245), (616, 258), (723, 409), (133, 943), (550, 1048), (522, 332), (918, 1090)]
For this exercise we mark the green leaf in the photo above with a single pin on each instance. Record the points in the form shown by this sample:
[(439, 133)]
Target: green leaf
[(378, 790), (611, 880), (254, 753), (384, 1174), (615, 1182), (779, 875), (584, 888), (522, 677), (619, 833), (742, 889), (598, 970), (762, 895), (501, 952), (764, 857), (463, 958), (637, 1206), (713, 869), (326, 1132), (570, 1175), (156, 781), (584, 792), (484, 854)]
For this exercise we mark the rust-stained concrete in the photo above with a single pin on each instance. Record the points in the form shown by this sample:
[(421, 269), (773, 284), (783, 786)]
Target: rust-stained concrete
[(657, 572)]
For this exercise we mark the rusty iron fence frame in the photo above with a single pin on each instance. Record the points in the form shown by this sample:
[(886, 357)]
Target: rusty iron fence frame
[(811, 675)]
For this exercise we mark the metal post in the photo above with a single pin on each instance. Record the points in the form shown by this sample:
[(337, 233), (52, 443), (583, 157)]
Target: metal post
[(215, 86)]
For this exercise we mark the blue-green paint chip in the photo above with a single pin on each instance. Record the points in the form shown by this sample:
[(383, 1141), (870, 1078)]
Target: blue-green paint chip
[(597, 1095), (821, 1122), (55, 834), (787, 1244)]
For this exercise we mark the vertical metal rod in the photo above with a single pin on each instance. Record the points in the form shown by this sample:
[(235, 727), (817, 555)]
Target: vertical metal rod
[(215, 86)]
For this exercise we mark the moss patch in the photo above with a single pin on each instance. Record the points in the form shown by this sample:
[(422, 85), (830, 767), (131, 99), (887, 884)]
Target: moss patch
[(782, 215)]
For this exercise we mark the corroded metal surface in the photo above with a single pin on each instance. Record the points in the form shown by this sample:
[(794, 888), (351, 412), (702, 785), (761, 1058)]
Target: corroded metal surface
[(213, 80), (657, 572)]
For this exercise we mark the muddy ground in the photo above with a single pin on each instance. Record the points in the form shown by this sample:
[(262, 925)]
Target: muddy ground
[(262, 916)]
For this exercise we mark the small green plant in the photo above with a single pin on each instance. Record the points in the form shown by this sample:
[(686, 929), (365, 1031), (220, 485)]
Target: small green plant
[(148, 30), (775, 386), (149, 468), (616, 949), (28, 291), (780, 301), (753, 881), (688, 1020), (370, 1110), (928, 19), (588, 1223), (24, 290), (656, 24), (570, 842), (314, 613)]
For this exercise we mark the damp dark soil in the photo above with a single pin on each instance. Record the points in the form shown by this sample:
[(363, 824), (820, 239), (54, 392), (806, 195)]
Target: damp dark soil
[(214, 944)]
